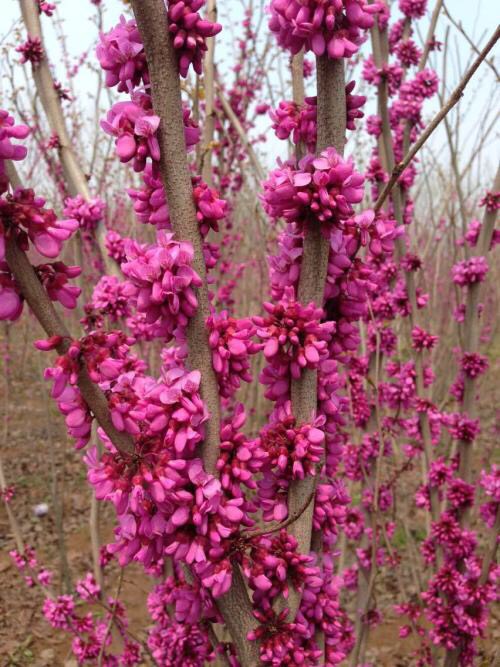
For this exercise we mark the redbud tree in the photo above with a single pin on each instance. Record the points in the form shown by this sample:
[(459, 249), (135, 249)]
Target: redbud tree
[(254, 435)]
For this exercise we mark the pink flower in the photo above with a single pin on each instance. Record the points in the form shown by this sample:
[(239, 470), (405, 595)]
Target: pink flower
[(470, 271), (414, 9), (292, 451), (121, 54), (8, 150), (322, 26), (31, 51), (422, 340), (163, 282), (189, 32), (24, 210), (11, 299), (87, 588), (134, 125), (231, 344), (88, 213), (55, 277), (322, 190)]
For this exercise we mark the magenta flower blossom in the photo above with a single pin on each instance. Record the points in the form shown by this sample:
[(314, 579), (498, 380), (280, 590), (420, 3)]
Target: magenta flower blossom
[(23, 209), (321, 190), (240, 457), (115, 246), (31, 51), (55, 277), (151, 207), (423, 340), (180, 644), (461, 427), (491, 201), (110, 297), (8, 150), (59, 612), (408, 53), (330, 510), (470, 271), (134, 125), (294, 336), (413, 9), (392, 72), (189, 31), (290, 450), (47, 8), (87, 588), (473, 364), (231, 343), (335, 27), (300, 123), (162, 280), (11, 299), (88, 213), (121, 54)]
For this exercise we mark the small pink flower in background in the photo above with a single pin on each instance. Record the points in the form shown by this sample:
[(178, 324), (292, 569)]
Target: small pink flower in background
[(31, 51)]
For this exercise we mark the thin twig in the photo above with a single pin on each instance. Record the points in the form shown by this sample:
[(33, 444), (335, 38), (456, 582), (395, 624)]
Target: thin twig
[(452, 101)]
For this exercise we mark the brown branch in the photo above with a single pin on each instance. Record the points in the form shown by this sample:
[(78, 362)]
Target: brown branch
[(471, 333), (235, 122), (166, 93), (273, 528), (151, 19), (208, 87), (491, 552), (452, 101), (44, 82), (331, 132), (490, 62), (430, 35), (44, 311)]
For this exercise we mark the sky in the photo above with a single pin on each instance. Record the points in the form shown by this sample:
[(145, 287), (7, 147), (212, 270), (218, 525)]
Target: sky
[(478, 16)]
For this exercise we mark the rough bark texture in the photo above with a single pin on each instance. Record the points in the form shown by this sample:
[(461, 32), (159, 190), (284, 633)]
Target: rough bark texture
[(331, 132), (74, 176), (44, 311), (472, 327), (162, 63), (151, 19), (209, 90)]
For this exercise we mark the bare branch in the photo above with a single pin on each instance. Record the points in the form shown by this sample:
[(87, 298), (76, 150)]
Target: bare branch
[(452, 101)]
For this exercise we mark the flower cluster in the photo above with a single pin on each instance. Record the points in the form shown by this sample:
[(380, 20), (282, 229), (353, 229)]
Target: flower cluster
[(8, 150), (289, 450), (162, 281), (54, 277), (299, 123), (334, 27), (470, 271), (321, 190), (25, 214), (88, 213), (91, 637), (31, 51), (121, 55), (189, 32), (231, 342), (295, 338)]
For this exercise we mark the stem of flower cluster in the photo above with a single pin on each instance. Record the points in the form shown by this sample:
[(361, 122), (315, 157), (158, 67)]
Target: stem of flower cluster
[(73, 173), (166, 94), (331, 132)]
